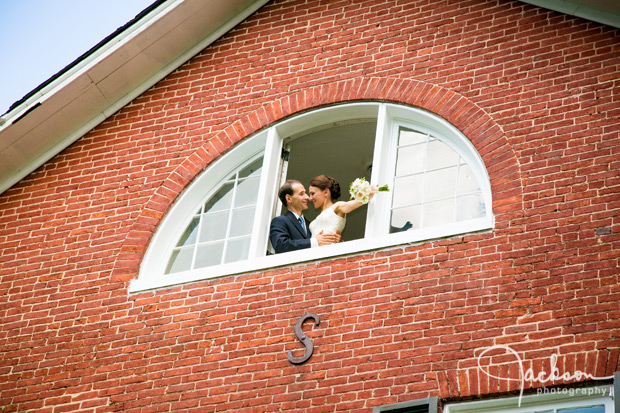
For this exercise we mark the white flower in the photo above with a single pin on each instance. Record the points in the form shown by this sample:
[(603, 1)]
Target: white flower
[(360, 190)]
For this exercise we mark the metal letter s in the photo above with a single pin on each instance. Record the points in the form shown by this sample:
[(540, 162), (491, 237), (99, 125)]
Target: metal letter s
[(304, 339)]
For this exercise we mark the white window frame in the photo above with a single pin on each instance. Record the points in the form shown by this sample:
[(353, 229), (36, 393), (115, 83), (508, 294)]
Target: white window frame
[(430, 403), (554, 398), (269, 142)]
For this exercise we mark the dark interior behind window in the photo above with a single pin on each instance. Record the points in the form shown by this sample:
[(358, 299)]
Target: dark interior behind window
[(342, 151)]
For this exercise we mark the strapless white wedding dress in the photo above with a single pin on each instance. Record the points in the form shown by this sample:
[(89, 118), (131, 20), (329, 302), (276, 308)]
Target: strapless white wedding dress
[(328, 222)]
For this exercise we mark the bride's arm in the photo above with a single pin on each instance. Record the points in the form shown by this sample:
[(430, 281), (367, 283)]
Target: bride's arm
[(344, 207)]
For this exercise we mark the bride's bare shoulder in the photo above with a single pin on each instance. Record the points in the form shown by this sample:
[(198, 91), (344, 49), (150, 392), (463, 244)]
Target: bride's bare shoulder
[(339, 208)]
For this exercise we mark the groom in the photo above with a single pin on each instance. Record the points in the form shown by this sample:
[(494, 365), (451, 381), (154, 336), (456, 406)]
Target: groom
[(290, 232)]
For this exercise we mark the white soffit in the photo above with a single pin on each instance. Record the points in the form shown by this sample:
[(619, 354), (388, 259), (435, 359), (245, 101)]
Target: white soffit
[(601, 11), (93, 88)]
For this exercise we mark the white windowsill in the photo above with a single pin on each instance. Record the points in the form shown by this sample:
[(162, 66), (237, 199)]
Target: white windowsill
[(150, 282)]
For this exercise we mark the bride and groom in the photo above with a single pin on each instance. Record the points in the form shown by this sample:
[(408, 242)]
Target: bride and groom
[(291, 231)]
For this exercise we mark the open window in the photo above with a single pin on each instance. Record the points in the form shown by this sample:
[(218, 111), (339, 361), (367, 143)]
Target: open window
[(343, 151), (439, 187)]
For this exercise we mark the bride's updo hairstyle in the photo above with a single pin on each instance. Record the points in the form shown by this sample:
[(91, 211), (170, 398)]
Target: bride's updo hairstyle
[(327, 182)]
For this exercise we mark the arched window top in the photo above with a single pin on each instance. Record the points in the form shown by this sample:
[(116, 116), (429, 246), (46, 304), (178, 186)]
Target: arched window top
[(220, 224), (221, 229)]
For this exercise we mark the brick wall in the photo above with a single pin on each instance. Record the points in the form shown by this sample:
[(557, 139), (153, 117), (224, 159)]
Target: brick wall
[(537, 92)]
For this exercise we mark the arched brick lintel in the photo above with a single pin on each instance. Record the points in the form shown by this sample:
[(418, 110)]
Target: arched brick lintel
[(487, 137), (581, 369)]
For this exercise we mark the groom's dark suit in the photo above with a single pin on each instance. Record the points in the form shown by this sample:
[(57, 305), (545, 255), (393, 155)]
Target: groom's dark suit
[(286, 234)]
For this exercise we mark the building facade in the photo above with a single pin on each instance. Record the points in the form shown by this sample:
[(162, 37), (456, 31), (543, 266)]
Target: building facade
[(136, 274)]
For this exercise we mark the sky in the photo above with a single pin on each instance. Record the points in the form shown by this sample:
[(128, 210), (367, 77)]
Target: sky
[(38, 38)]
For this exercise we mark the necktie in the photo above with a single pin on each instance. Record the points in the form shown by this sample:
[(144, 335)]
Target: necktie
[(301, 222)]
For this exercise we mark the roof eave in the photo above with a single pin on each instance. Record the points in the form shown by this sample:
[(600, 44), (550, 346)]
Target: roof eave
[(109, 77), (598, 11)]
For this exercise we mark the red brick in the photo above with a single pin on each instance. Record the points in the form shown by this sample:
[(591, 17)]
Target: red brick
[(396, 324)]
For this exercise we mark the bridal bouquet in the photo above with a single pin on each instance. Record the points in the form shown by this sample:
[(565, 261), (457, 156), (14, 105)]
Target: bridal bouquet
[(360, 190)]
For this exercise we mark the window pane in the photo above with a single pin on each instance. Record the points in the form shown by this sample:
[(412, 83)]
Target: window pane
[(410, 137), (438, 213), (246, 192), (209, 254), (252, 169), (469, 207), (214, 226), (221, 200), (237, 249), (411, 154), (467, 180), (189, 235), (440, 155), (407, 191), (440, 184), (404, 219), (590, 409), (242, 221), (180, 260), (410, 160)]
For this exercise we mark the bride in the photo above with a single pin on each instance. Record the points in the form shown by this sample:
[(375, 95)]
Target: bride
[(323, 191)]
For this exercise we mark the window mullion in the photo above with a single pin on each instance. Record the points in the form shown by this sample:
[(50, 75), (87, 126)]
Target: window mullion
[(230, 216), (195, 254), (423, 189), (456, 188)]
